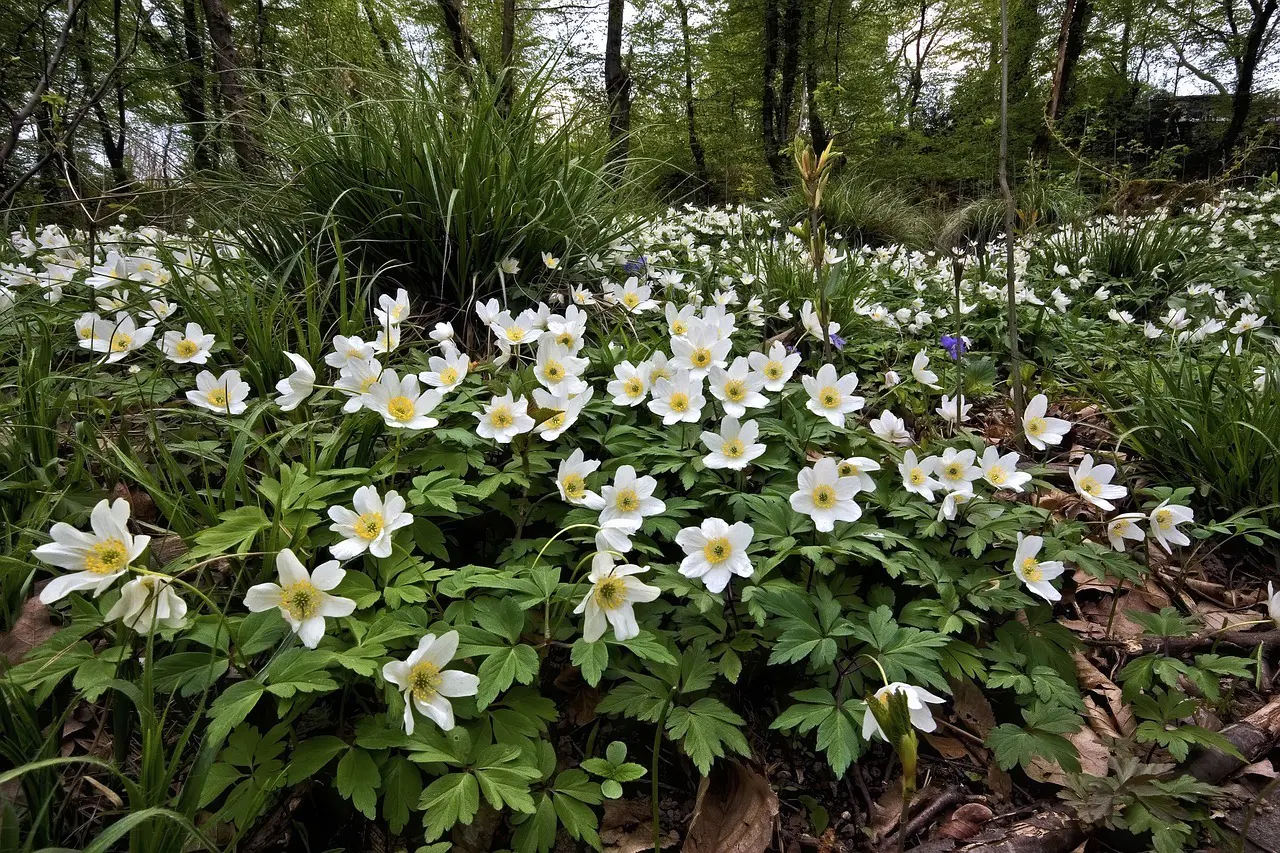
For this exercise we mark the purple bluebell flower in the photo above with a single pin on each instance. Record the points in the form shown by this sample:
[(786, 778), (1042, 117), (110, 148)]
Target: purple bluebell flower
[(837, 341), (635, 267), (954, 346), (792, 349)]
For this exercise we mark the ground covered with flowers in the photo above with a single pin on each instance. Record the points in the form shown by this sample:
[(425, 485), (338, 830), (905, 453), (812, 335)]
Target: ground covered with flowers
[(670, 544)]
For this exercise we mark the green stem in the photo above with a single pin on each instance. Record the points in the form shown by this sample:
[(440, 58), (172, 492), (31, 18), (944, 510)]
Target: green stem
[(653, 772)]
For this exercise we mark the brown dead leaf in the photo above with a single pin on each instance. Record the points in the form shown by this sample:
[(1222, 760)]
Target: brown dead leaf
[(972, 707), (1093, 758), (947, 747), (583, 698), (32, 628), (965, 822), (628, 827), (1092, 679), (734, 812), (886, 811), (999, 782), (1263, 768)]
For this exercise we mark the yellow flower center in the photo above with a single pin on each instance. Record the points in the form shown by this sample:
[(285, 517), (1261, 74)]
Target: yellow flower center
[(120, 342), (515, 334), (847, 469), (679, 402), (301, 600), (424, 680), (448, 376), (369, 525), (953, 470), (829, 397), (554, 422), (501, 417), (217, 398), (631, 300), (566, 339), (553, 371), (735, 390), (733, 448), (717, 550), (1036, 426), (574, 486), (1090, 486), (401, 408), (633, 387), (367, 383), (659, 373), (106, 557), (678, 327), (610, 593), (186, 348), (997, 475), (773, 370), (86, 333), (701, 357), (1164, 518), (824, 497), (1031, 569), (916, 477), (1120, 525), (627, 500), (354, 352)]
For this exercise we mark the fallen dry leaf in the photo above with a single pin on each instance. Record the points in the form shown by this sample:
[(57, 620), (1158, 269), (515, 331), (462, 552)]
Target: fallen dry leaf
[(886, 811), (965, 822), (999, 782), (733, 813), (947, 747), (32, 628), (1092, 679), (627, 827), (1094, 755), (972, 707)]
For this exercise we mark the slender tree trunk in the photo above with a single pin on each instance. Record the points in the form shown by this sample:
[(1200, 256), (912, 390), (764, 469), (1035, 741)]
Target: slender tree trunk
[(817, 129), (226, 62), (1006, 190), (1242, 98), (508, 52), (695, 144), (617, 87), (191, 92), (768, 95), (792, 23), (916, 83), (111, 131), (1075, 22)]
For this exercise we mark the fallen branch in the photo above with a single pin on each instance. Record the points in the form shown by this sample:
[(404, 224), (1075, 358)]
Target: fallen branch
[(1058, 830), (1182, 645)]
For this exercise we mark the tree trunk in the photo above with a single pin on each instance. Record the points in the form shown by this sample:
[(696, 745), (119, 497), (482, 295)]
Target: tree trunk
[(1075, 21), (792, 22), (695, 144), (384, 43), (191, 90), (226, 62), (768, 95), (916, 83), (111, 134), (617, 87), (1242, 98), (508, 52), (817, 130)]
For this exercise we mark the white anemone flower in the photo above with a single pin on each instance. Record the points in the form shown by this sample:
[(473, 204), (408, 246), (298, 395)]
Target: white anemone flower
[(918, 475), (447, 371), (734, 446), (1125, 526), (921, 717), (297, 386), (426, 684), (120, 337), (190, 346), (831, 395), (302, 597), (355, 380), (678, 318), (226, 393), (388, 339), (951, 504), (920, 370), (775, 366), (630, 498), (1002, 471), (678, 399), (567, 408), (813, 325), (95, 559), (826, 497), (635, 297), (1093, 483), (857, 469), (442, 333), (557, 369), (571, 480), (394, 309), (348, 350), (503, 418), (1273, 604), (401, 403), (1042, 431), (948, 409), (615, 591), (700, 349), (891, 429), (149, 602), (716, 551), (370, 526), (1033, 573), (737, 388), (956, 469), (631, 384), (1164, 521)]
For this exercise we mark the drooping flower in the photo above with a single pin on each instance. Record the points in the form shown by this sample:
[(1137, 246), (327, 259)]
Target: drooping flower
[(190, 346), (920, 370), (737, 388), (503, 418), (1002, 471), (1125, 526), (401, 403), (611, 601), (95, 559), (226, 393), (776, 366), (630, 498), (1042, 431), (297, 386), (631, 384), (734, 446), (948, 409), (831, 395), (1093, 483), (921, 717), (678, 399), (302, 597), (371, 526), (951, 504), (716, 551), (826, 497), (891, 429), (918, 475), (1033, 573), (148, 602), (1164, 521), (812, 324), (426, 684), (571, 480)]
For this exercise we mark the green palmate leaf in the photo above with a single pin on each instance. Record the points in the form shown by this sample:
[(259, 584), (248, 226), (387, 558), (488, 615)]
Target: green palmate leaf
[(1042, 737), (836, 725), (233, 535), (260, 631), (439, 490), (235, 703), (311, 756), (707, 729), (591, 658), (647, 647), (358, 780), (401, 788), (447, 801), (500, 669), (299, 671)]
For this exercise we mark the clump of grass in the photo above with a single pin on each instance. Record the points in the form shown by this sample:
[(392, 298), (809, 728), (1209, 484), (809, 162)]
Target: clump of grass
[(865, 214), (1040, 204), (1150, 255)]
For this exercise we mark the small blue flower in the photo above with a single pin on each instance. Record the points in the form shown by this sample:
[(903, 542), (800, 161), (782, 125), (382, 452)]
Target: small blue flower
[(956, 347), (837, 341), (635, 267)]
